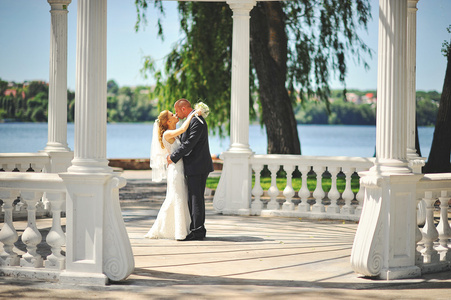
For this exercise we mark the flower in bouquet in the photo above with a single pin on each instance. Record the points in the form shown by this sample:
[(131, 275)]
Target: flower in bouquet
[(204, 109)]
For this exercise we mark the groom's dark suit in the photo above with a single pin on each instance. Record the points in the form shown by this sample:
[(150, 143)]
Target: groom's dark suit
[(198, 164)]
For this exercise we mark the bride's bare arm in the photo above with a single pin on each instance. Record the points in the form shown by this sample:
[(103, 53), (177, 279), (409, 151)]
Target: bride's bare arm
[(170, 134)]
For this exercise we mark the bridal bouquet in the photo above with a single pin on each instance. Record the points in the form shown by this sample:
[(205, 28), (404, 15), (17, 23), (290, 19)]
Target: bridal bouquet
[(204, 110)]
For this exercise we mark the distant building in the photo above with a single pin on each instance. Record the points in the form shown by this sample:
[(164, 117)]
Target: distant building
[(354, 98), (13, 92)]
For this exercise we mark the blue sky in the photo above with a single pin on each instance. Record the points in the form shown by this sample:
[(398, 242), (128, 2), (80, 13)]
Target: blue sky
[(25, 42)]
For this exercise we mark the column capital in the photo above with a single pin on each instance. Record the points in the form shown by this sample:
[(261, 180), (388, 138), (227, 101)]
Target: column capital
[(59, 6), (412, 5), (241, 8)]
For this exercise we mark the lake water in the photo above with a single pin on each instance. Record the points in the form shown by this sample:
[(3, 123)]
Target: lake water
[(132, 140)]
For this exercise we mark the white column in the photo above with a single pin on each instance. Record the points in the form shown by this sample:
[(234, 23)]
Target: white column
[(384, 243), (98, 247), (57, 110), (233, 195), (239, 132), (415, 162), (90, 89), (391, 129)]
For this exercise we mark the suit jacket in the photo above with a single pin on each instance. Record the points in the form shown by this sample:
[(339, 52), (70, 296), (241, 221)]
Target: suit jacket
[(195, 149)]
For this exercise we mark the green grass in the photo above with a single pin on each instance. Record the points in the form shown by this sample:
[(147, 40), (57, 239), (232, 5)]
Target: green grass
[(212, 183)]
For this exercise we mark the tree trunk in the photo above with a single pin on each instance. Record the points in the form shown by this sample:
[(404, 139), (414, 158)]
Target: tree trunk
[(439, 157), (269, 56), (417, 140)]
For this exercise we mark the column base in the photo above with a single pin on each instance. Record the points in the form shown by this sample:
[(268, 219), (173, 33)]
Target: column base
[(81, 166), (233, 194), (239, 148), (386, 167), (384, 244), (96, 279), (237, 212), (56, 147)]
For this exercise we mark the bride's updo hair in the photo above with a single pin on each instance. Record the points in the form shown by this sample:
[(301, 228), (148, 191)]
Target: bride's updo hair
[(163, 125)]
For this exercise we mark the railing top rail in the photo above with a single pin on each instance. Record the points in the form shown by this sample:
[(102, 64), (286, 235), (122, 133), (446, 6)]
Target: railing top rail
[(312, 160), (435, 183), (23, 154), (14, 158), (44, 182), (436, 177)]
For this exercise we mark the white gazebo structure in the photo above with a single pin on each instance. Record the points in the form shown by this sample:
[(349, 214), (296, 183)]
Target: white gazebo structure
[(81, 183)]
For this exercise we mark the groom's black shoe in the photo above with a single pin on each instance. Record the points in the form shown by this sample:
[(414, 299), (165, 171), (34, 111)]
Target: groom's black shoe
[(193, 237)]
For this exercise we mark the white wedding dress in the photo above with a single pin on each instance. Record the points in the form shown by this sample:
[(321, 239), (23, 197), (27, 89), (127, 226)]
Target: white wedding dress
[(173, 219)]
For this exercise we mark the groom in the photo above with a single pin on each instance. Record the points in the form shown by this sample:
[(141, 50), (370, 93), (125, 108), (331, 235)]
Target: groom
[(197, 163)]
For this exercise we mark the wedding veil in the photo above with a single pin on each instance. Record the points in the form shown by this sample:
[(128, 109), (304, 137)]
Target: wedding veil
[(157, 156)]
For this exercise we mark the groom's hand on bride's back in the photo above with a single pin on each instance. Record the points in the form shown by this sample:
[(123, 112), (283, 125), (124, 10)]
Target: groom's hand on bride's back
[(169, 160)]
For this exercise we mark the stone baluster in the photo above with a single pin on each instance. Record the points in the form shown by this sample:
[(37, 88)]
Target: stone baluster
[(333, 194), (273, 191), (319, 193), (421, 213), (304, 192), (257, 191), (56, 237), (288, 192), (444, 231), (348, 195), (37, 167), (23, 167), (419, 243), (360, 196), (31, 236), (8, 234), (430, 233)]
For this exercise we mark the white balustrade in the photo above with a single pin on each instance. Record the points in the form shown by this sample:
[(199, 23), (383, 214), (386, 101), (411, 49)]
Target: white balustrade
[(23, 162), (360, 196), (444, 231), (273, 191), (430, 233), (45, 162), (333, 193), (348, 195), (30, 187), (418, 240), (434, 245), (305, 164), (31, 236), (257, 191), (319, 193), (304, 192), (288, 192), (56, 237), (8, 234)]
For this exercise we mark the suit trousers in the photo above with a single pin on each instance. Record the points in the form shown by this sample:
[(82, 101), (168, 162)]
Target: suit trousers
[(196, 203)]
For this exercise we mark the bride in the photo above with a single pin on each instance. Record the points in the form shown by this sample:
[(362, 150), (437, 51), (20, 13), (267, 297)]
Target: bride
[(173, 219)]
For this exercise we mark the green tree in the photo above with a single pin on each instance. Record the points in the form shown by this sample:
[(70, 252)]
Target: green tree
[(36, 87), (426, 111), (3, 86), (112, 87), (296, 46)]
